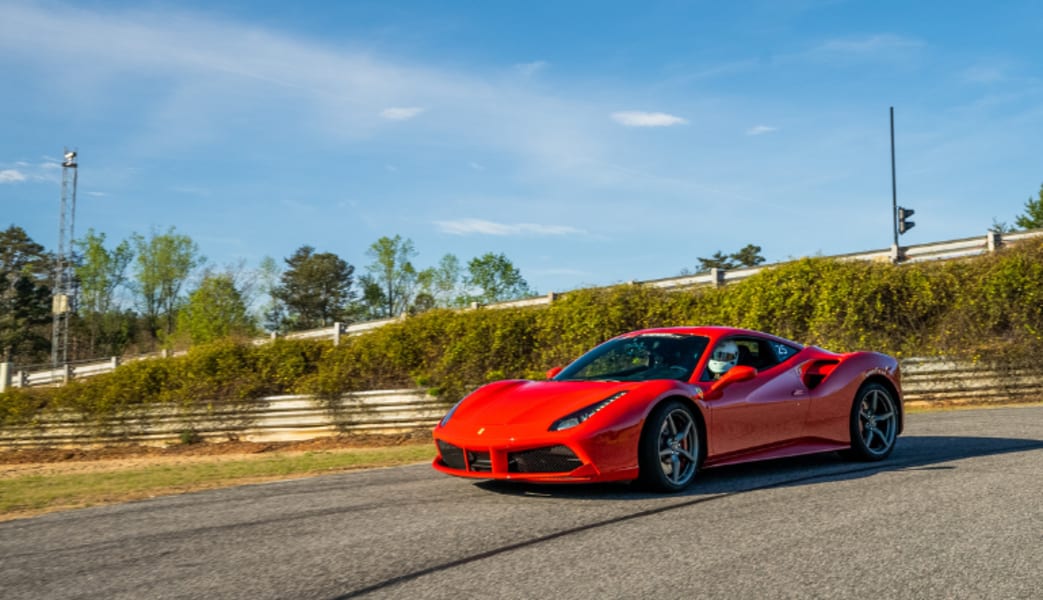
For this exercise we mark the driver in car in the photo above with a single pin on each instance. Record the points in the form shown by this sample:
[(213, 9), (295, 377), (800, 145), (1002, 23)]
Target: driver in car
[(724, 357)]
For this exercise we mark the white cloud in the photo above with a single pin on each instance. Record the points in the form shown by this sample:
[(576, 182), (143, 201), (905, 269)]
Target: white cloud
[(761, 130), (483, 227), (983, 74), (725, 69), (531, 68), (636, 118), (206, 70), (11, 176), (476, 166), (401, 113), (881, 47)]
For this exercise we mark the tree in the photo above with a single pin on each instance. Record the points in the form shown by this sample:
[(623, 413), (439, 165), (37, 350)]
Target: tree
[(25, 297), (440, 285), (391, 281), (719, 260), (1033, 217), (496, 278), (373, 298), (747, 256), (164, 263), (422, 302), (215, 310), (100, 273), (273, 312), (315, 289), (1001, 226)]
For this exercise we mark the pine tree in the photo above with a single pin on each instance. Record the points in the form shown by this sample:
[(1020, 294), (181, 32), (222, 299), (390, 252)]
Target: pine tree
[(316, 289), (1033, 217), (25, 298)]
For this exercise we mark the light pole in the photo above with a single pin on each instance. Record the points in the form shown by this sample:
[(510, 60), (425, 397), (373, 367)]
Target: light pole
[(894, 187), (899, 215)]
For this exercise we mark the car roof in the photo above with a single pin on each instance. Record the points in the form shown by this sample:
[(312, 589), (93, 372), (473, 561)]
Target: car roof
[(713, 332)]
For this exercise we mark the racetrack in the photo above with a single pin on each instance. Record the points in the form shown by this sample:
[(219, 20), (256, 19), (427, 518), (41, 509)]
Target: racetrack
[(956, 512)]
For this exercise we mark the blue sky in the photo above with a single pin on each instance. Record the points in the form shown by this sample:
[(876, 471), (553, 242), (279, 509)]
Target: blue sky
[(591, 142)]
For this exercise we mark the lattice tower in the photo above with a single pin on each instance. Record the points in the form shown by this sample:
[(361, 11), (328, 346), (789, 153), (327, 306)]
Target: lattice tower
[(64, 300)]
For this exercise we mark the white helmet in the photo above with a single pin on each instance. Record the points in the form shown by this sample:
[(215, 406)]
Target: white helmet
[(724, 357)]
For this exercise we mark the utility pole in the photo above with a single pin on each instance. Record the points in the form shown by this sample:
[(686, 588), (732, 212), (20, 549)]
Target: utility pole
[(900, 215), (64, 299), (894, 187)]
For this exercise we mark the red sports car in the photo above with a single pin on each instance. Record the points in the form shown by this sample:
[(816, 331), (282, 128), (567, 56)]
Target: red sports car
[(659, 404)]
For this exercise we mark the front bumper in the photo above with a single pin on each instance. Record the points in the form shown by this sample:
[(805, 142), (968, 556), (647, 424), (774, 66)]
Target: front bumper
[(528, 452), (556, 462)]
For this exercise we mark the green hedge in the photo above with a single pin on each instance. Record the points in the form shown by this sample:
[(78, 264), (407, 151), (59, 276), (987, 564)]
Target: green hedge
[(983, 308)]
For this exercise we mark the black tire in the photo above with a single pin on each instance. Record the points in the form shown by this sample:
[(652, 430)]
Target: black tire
[(874, 423), (670, 449)]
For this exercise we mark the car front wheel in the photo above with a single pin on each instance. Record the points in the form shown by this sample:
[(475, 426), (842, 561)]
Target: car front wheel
[(669, 449)]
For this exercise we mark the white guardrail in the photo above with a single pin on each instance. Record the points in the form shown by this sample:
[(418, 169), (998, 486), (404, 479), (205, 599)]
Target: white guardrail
[(288, 418), (275, 418), (946, 250)]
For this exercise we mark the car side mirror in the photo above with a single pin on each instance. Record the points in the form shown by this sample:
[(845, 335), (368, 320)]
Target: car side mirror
[(734, 375), (551, 374)]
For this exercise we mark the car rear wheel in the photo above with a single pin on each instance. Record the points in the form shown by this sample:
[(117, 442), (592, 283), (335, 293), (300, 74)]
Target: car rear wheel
[(874, 423), (669, 451)]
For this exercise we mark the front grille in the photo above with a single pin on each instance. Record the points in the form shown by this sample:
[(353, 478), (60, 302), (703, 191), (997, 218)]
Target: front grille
[(455, 457), (479, 461), (552, 459), (452, 456)]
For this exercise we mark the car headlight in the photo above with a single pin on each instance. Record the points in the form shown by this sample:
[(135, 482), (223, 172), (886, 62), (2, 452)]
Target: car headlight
[(571, 420)]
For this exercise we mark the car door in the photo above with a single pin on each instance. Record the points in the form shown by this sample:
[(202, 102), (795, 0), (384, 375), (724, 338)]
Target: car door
[(769, 409)]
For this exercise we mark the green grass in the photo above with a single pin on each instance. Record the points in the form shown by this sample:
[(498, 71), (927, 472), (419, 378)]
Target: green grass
[(33, 494)]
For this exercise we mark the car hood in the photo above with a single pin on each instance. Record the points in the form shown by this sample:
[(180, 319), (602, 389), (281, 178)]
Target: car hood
[(516, 402)]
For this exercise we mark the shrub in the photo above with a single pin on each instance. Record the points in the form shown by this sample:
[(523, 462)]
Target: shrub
[(282, 365), (20, 406), (984, 308)]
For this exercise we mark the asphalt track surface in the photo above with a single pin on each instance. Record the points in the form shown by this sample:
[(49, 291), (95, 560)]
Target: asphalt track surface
[(956, 512)]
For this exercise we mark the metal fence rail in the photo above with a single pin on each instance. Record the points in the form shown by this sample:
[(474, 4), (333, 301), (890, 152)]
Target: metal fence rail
[(939, 381), (275, 418), (945, 250), (288, 418)]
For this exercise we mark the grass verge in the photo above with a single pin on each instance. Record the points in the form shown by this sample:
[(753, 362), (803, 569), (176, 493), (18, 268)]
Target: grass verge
[(28, 495)]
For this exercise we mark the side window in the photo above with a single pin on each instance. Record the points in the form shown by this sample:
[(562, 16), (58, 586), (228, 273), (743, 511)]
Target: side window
[(749, 353), (762, 354), (752, 353), (757, 353), (782, 351)]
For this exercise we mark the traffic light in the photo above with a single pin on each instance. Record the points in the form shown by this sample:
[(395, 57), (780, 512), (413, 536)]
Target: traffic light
[(904, 224)]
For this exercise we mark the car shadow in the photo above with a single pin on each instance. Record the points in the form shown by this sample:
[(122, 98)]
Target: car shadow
[(911, 453)]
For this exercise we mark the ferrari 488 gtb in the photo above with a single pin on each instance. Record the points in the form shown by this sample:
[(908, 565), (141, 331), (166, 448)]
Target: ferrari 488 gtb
[(658, 405)]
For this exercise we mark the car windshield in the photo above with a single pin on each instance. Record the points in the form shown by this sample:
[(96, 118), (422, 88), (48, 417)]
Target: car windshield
[(639, 358)]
